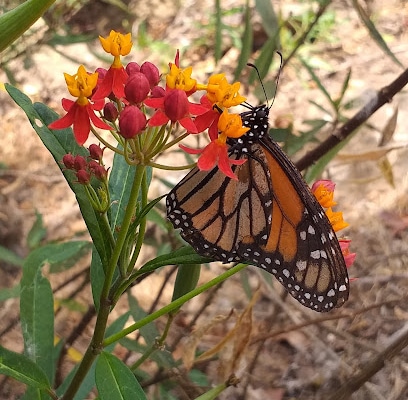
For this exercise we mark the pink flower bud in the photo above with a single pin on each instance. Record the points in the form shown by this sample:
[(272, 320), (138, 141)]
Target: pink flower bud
[(110, 112), (80, 163), (157, 91), (98, 170), (137, 88), (132, 67), (95, 152), (83, 177), (131, 122), (176, 104), (69, 161), (151, 72)]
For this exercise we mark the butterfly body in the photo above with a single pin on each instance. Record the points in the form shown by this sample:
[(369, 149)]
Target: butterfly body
[(267, 217)]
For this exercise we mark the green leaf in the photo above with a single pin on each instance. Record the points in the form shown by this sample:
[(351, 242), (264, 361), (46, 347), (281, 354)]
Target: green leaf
[(120, 186), (37, 232), (89, 382), (264, 60), (37, 313), (218, 32), (317, 169), (67, 255), (247, 39), (97, 277), (15, 22), (115, 381), (184, 255), (10, 293), (58, 144), (21, 368), (374, 33), (319, 84), (186, 279), (10, 257), (269, 18)]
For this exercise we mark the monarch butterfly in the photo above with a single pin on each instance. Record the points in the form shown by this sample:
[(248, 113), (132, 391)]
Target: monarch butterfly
[(268, 218)]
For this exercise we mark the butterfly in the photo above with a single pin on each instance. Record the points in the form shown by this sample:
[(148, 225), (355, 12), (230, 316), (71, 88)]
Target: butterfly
[(268, 218)]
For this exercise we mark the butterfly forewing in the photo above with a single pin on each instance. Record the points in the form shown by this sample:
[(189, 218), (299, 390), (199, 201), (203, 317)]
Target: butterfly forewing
[(268, 217)]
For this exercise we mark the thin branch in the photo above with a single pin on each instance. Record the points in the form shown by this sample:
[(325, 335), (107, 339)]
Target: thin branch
[(370, 368), (383, 96)]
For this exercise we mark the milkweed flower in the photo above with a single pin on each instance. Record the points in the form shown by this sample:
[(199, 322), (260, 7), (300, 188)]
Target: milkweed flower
[(323, 190), (345, 249), (216, 152), (114, 81), (174, 106), (220, 95), (80, 113)]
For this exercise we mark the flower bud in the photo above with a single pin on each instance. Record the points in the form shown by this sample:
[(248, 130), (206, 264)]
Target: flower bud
[(176, 104), (110, 112), (69, 161), (83, 177), (131, 122), (95, 152), (137, 88), (98, 170), (132, 67), (80, 163), (151, 72), (157, 92)]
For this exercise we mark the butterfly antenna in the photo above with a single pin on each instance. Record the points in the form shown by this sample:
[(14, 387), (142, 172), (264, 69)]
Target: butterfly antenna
[(277, 78)]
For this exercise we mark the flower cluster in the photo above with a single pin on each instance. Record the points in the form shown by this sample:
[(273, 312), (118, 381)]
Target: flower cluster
[(137, 104), (323, 190), (85, 169)]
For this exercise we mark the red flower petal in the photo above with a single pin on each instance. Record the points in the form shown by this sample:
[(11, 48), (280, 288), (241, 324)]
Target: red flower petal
[(188, 124), (159, 118)]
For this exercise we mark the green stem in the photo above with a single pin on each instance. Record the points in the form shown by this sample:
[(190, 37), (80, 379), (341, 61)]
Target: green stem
[(173, 305), (96, 345), (142, 227), (155, 346)]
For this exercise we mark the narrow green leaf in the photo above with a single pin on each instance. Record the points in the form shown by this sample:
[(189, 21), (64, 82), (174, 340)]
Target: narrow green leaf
[(218, 31), (10, 257), (37, 313), (115, 381), (97, 277), (184, 255), (186, 279), (58, 144), (67, 255), (15, 22), (374, 33), (319, 84), (317, 169), (21, 368), (264, 60), (10, 293), (247, 40), (37, 232), (269, 18)]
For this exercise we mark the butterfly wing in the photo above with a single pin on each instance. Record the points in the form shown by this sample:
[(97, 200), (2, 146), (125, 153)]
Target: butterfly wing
[(216, 214), (302, 250), (268, 218)]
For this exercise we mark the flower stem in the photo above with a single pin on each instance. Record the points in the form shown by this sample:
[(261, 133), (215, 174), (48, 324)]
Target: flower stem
[(173, 305), (96, 345)]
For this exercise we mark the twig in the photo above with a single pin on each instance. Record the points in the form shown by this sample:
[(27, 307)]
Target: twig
[(383, 96), (372, 367)]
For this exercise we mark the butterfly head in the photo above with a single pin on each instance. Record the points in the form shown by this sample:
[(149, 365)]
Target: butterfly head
[(257, 120)]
